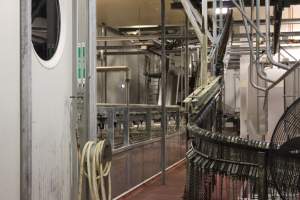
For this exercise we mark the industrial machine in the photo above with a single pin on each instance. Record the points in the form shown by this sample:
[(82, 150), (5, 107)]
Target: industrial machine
[(246, 168)]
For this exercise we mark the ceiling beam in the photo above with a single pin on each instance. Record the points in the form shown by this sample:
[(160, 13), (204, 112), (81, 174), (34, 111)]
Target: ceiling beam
[(229, 4)]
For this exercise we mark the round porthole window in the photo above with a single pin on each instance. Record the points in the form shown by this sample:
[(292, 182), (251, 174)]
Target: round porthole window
[(46, 25)]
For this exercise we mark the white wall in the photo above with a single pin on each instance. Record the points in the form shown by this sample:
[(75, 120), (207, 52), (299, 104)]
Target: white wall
[(275, 108), (10, 100), (244, 68)]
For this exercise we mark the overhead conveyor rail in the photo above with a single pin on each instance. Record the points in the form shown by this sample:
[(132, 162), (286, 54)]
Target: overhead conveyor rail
[(229, 166)]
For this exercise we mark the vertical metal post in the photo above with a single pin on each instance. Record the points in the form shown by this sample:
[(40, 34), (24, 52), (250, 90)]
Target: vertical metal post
[(104, 62), (215, 35), (163, 96), (257, 59), (26, 102), (91, 71), (126, 127), (186, 76), (221, 16), (74, 118), (214, 18), (111, 127), (178, 119), (127, 112), (204, 45), (148, 123), (186, 69)]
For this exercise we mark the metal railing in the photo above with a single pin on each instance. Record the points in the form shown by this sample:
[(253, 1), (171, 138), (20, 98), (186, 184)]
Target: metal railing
[(127, 125)]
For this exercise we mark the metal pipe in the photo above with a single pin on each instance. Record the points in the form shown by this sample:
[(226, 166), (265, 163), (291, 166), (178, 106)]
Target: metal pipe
[(104, 33), (186, 69), (259, 70), (297, 64), (26, 102), (221, 15), (215, 37), (127, 115), (288, 53), (247, 18), (163, 95), (251, 57), (259, 73), (112, 69), (269, 54), (204, 45)]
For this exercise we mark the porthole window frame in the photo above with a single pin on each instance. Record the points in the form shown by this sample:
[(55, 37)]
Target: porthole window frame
[(54, 60)]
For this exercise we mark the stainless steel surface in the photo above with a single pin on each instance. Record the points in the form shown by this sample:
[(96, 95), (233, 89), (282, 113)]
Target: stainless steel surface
[(52, 82), (164, 91), (91, 70), (26, 103)]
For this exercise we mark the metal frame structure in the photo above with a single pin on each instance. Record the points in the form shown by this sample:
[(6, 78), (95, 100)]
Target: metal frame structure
[(26, 102), (112, 114), (91, 70)]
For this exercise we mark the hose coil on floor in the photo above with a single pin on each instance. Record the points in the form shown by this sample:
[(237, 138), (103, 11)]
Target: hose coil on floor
[(95, 165)]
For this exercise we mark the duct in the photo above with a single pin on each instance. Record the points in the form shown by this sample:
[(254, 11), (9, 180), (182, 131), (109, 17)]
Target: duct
[(269, 54)]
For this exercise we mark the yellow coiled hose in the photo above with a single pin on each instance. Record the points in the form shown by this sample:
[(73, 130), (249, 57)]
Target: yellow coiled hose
[(96, 171)]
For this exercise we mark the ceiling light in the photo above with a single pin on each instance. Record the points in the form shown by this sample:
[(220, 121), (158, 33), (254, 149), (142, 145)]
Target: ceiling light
[(224, 11)]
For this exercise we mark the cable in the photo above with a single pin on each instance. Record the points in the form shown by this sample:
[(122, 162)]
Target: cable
[(96, 170)]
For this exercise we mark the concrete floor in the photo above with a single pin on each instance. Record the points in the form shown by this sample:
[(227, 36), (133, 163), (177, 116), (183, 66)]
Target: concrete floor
[(153, 190)]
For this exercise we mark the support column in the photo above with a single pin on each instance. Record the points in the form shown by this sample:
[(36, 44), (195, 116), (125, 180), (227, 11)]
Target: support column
[(204, 61), (91, 71), (163, 96), (26, 102)]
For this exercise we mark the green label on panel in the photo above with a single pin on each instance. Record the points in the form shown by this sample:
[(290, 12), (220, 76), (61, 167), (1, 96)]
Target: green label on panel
[(79, 64), (83, 57)]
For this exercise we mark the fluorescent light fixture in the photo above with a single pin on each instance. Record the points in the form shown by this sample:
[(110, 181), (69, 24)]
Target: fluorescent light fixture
[(223, 12)]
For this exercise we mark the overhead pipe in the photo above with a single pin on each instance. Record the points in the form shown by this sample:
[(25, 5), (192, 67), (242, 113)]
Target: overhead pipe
[(248, 19), (251, 57), (288, 53), (259, 73), (269, 54), (260, 70), (289, 70)]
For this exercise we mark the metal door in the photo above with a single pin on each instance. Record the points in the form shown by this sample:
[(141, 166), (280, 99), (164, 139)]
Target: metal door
[(51, 110)]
